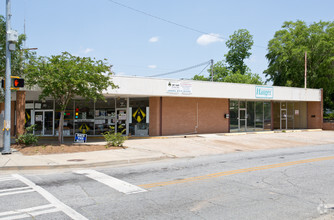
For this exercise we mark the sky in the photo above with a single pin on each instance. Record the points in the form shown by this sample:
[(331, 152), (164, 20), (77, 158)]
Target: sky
[(152, 37)]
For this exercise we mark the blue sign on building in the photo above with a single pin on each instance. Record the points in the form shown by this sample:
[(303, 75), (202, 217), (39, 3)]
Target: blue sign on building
[(265, 92)]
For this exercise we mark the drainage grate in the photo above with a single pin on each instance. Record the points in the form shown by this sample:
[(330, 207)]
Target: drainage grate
[(76, 160)]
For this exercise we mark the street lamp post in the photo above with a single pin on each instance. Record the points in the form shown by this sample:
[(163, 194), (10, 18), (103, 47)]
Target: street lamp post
[(10, 40)]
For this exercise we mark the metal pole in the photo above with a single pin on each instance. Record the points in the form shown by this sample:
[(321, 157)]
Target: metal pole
[(305, 77), (7, 122), (211, 70)]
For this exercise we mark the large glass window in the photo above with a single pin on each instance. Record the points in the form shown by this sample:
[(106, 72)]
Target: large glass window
[(105, 117), (267, 115), (68, 119), (259, 115), (84, 117), (250, 116)]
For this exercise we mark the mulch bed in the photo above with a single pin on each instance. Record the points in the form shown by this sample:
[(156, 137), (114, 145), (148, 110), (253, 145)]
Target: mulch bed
[(60, 149)]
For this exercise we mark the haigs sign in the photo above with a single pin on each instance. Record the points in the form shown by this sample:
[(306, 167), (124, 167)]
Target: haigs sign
[(264, 92)]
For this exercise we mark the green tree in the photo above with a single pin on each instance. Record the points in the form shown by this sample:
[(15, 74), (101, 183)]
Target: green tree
[(64, 76), (18, 57), (240, 43), (286, 56), (221, 73)]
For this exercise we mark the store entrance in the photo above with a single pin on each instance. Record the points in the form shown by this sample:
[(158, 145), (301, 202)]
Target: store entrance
[(43, 119)]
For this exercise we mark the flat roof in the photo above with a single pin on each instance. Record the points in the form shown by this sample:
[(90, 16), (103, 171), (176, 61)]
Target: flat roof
[(145, 86)]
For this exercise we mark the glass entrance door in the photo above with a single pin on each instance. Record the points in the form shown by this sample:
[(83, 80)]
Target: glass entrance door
[(242, 119), (283, 119), (121, 125), (43, 119)]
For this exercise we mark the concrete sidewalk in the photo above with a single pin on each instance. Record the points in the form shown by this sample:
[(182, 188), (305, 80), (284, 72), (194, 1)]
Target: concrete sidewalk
[(150, 149)]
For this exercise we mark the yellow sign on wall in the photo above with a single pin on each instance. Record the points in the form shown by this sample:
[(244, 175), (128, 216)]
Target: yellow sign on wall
[(139, 115)]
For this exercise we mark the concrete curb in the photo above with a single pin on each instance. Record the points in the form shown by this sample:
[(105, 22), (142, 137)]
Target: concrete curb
[(84, 165)]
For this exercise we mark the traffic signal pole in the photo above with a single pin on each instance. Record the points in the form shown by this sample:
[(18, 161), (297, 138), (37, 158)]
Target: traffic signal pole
[(7, 122)]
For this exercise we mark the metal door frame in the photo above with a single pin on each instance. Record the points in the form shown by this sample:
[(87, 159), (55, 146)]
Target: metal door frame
[(43, 124), (243, 109), (281, 116)]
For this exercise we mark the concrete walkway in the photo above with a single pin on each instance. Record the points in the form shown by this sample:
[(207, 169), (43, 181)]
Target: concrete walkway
[(149, 149)]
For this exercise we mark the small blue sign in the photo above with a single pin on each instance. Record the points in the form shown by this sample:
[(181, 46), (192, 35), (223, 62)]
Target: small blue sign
[(80, 138), (265, 92)]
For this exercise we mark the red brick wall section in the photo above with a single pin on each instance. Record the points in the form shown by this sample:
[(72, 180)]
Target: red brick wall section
[(314, 115), (154, 126), (20, 111), (328, 126), (194, 115)]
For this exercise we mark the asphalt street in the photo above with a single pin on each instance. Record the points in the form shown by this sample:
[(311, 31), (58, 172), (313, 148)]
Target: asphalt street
[(289, 183)]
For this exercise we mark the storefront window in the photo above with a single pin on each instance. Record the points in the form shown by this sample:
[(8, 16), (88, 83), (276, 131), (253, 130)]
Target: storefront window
[(139, 122), (250, 116), (105, 117), (267, 115), (84, 117), (68, 119), (29, 105), (259, 115)]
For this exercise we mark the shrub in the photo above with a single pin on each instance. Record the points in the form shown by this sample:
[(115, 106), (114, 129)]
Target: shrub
[(114, 139), (28, 138)]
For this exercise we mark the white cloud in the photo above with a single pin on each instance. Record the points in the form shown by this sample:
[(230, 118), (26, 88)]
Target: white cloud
[(153, 39), (207, 39), (152, 66), (88, 50)]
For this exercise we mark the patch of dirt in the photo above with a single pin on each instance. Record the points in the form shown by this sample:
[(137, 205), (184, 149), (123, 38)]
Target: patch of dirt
[(61, 149)]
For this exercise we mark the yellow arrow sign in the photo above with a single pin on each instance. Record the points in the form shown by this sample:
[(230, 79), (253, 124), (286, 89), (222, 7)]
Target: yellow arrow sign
[(139, 115), (83, 128)]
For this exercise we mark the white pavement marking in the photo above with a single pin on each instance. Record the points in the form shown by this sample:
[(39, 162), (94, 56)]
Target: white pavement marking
[(29, 212), (14, 189), (16, 192), (53, 200), (114, 183), (7, 178)]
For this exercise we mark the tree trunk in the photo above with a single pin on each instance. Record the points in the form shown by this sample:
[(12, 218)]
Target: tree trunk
[(61, 127)]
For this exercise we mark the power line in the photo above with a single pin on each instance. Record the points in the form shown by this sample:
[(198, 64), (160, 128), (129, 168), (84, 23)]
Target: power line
[(171, 22), (181, 70)]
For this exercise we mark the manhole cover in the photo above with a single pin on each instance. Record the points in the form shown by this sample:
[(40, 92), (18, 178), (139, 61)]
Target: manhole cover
[(76, 160)]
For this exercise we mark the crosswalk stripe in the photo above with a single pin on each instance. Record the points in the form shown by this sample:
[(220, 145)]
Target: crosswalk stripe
[(53, 200), (30, 214), (27, 210), (16, 192), (112, 182), (14, 189), (6, 178)]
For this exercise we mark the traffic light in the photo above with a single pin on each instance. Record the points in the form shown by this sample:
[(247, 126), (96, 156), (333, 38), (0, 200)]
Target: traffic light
[(76, 113), (17, 83)]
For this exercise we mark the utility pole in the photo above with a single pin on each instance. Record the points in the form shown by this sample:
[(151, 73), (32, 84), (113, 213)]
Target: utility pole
[(7, 121), (211, 70), (305, 76)]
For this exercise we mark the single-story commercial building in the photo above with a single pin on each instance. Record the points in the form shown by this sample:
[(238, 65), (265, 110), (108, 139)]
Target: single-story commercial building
[(154, 107)]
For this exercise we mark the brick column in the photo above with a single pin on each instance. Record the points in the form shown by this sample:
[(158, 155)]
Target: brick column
[(20, 111)]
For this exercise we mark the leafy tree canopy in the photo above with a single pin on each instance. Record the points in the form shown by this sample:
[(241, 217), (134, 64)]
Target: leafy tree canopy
[(221, 73), (240, 43), (64, 76), (286, 57), (234, 70)]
